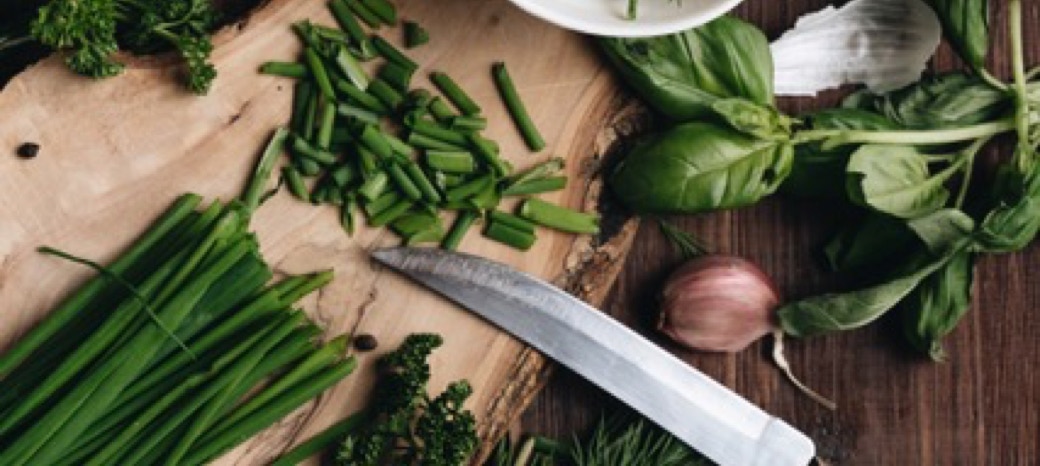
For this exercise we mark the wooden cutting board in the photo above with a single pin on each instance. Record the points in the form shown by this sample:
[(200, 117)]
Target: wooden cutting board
[(116, 152)]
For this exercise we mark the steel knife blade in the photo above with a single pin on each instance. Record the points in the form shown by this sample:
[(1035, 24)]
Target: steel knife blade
[(714, 420)]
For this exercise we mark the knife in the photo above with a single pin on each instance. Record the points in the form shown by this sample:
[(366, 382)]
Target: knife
[(706, 415)]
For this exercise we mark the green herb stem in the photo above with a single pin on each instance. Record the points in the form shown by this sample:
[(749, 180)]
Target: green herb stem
[(317, 69), (346, 20), (451, 161), (261, 175), (1024, 156), (352, 69), (536, 186), (364, 13), (497, 216), (321, 441), (510, 236), (837, 138), (383, 9)]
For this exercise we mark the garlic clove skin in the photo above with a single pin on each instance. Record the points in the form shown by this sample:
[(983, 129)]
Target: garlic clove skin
[(718, 303)]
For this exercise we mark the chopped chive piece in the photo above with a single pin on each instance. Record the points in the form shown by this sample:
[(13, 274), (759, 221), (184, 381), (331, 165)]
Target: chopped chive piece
[(420, 98), (382, 203), (454, 93), (305, 31), (451, 161), (440, 110), (360, 97), (346, 215), (328, 121), (253, 195), (331, 34), (397, 75), (321, 193), (435, 131), (453, 180), (410, 224), (458, 230), (509, 236), (403, 181), (304, 149), (310, 115), (285, 69), (321, 76), (358, 113), (342, 175), (429, 235), (351, 69), (418, 176), (386, 93), (346, 20), (522, 224), (468, 123), (541, 170), (560, 218), (374, 186), (302, 94), (536, 186), (414, 35), (487, 198), (398, 146), (373, 140), (426, 142), (383, 9), (364, 50), (516, 108), (364, 13), (307, 166), (390, 53), (295, 183), (468, 189), (368, 161), (488, 154), (391, 213)]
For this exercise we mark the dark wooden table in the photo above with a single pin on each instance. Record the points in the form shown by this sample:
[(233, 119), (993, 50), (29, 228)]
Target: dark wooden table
[(982, 406)]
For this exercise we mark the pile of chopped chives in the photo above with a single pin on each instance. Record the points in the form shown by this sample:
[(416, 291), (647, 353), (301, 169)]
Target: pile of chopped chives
[(399, 154)]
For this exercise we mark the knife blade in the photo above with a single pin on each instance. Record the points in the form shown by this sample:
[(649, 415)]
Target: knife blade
[(706, 415)]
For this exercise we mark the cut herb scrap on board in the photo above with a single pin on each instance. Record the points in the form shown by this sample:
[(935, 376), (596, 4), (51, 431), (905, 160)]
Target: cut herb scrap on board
[(904, 160), (365, 138)]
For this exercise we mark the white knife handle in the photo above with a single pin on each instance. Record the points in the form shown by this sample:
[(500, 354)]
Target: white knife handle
[(779, 443)]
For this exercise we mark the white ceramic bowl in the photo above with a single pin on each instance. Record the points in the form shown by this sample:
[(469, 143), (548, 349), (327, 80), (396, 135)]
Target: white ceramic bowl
[(607, 17)]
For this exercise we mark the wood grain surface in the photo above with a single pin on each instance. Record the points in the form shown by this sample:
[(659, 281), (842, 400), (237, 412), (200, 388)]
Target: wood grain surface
[(981, 407)]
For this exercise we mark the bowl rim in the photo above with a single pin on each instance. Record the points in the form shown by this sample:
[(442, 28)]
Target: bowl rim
[(634, 28)]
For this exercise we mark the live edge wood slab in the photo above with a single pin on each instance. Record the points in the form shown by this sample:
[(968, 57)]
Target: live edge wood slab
[(981, 407), (115, 153)]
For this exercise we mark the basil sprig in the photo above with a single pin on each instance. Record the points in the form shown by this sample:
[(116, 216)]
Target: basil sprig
[(904, 161)]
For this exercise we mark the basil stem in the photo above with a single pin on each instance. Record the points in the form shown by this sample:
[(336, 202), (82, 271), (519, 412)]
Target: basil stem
[(516, 107), (836, 138)]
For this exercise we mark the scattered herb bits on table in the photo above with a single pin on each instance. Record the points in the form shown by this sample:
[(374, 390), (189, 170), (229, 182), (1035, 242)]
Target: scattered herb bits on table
[(366, 139), (174, 353)]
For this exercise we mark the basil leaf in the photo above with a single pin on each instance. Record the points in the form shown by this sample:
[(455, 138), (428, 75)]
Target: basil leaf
[(845, 311), (933, 310), (856, 246), (895, 180), (697, 167), (1013, 224), (943, 230), (821, 173), (947, 101), (966, 24), (681, 75), (753, 119)]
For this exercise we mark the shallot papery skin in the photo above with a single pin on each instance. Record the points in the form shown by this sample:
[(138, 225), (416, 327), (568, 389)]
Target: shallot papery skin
[(718, 303)]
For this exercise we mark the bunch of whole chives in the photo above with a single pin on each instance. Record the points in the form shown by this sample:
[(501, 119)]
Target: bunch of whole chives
[(175, 353), (370, 143)]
